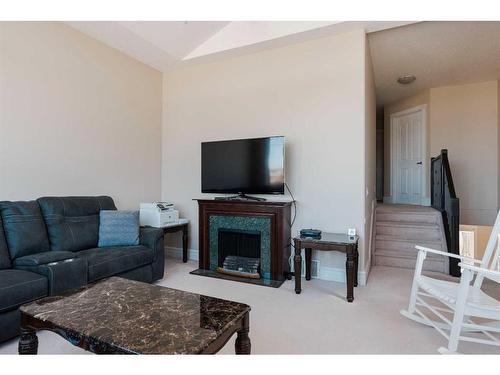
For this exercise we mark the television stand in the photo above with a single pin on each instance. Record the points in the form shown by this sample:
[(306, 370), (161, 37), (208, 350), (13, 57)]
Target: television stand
[(241, 197)]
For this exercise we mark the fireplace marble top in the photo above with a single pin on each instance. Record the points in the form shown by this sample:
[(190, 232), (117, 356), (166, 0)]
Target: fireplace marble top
[(134, 317)]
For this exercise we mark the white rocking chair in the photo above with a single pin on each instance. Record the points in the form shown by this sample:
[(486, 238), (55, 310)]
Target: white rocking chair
[(462, 300)]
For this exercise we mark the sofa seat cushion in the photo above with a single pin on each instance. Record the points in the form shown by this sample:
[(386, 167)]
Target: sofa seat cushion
[(73, 222), (18, 287), (43, 258), (108, 261), (24, 228)]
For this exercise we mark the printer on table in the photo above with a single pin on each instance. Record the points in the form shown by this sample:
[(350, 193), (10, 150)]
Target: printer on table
[(157, 214)]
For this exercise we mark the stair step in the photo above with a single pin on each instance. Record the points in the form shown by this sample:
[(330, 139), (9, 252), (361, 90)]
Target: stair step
[(409, 231), (401, 262), (405, 254), (403, 224), (415, 217), (399, 228), (391, 243), (407, 208)]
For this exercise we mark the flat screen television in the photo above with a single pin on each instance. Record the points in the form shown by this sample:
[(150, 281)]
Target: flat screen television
[(243, 166)]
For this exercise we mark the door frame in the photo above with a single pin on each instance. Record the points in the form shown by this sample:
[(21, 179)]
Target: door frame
[(425, 199)]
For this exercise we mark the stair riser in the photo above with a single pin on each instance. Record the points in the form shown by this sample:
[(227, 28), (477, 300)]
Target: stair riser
[(420, 234), (408, 217), (407, 247), (406, 255), (429, 265)]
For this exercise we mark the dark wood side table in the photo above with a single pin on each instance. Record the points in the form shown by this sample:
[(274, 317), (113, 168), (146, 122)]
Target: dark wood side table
[(181, 225), (328, 242)]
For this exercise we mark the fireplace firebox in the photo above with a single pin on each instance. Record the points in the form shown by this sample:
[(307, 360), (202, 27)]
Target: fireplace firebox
[(239, 252)]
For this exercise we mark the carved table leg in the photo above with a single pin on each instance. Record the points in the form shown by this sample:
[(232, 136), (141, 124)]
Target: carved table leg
[(243, 344), (298, 266), (185, 243), (28, 342), (356, 256), (349, 265), (308, 263)]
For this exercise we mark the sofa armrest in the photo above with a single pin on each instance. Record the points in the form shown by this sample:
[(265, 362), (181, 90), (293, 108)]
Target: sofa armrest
[(149, 237), (63, 270), (153, 239), (43, 258)]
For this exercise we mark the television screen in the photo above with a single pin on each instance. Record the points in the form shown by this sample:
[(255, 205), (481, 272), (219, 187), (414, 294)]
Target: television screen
[(248, 166)]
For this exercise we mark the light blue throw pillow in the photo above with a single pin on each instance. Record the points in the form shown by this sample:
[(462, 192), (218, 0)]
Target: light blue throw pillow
[(118, 228)]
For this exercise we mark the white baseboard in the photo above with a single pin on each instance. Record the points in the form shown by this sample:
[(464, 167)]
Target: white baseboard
[(338, 274), (325, 273)]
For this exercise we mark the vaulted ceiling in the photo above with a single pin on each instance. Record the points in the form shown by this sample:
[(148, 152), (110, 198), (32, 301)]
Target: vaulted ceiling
[(166, 45), (437, 53)]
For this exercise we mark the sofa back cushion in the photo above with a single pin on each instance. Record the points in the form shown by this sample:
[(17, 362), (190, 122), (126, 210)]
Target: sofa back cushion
[(73, 222), (4, 249), (24, 228)]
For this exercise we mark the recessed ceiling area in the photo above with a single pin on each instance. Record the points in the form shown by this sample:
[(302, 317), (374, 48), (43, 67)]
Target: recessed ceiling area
[(436, 53), (166, 45)]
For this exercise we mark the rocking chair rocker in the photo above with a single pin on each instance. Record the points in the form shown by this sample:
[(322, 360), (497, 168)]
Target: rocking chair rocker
[(461, 300)]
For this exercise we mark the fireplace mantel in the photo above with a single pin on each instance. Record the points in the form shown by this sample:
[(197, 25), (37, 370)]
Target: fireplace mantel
[(276, 213)]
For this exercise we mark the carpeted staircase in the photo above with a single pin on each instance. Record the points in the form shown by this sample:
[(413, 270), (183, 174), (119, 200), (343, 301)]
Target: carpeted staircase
[(398, 228)]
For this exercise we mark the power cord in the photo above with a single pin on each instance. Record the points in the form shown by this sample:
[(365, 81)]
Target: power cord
[(291, 244), (294, 205)]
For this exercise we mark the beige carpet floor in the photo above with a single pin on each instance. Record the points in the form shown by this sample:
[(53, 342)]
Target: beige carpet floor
[(318, 321)]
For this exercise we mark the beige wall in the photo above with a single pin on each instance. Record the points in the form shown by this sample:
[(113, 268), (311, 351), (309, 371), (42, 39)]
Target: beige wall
[(76, 117), (463, 119), (370, 148), (312, 93)]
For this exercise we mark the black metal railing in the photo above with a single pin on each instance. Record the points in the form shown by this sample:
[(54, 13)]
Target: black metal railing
[(444, 199)]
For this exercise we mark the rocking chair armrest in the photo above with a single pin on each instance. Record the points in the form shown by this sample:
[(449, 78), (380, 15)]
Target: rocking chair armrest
[(450, 255), (489, 274)]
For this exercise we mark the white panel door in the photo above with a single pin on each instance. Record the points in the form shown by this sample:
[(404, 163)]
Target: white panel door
[(408, 170)]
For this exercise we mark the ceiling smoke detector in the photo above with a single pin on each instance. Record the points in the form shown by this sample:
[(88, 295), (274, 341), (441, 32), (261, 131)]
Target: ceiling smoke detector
[(406, 79)]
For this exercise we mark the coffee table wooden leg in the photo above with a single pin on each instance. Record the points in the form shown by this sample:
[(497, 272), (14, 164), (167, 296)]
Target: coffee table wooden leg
[(185, 244), (28, 342), (349, 265), (243, 344), (298, 266)]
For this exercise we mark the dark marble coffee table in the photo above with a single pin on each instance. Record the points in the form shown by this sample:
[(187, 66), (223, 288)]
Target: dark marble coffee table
[(122, 316)]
